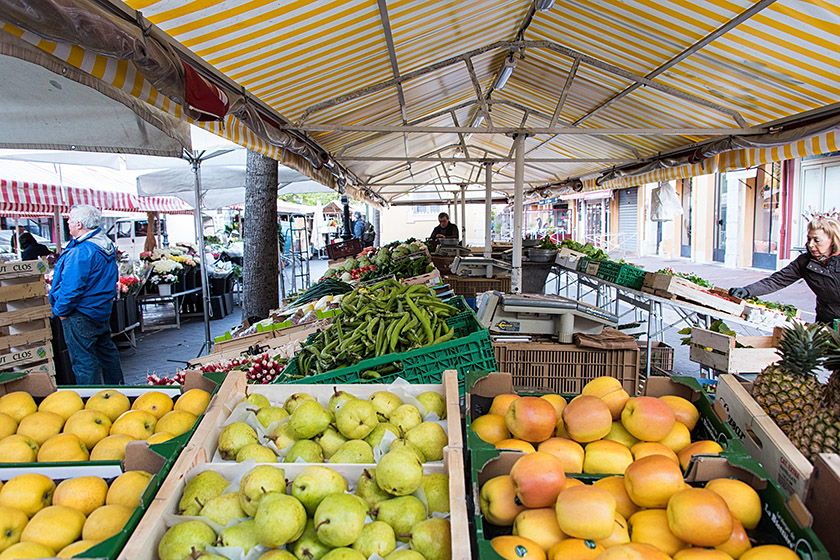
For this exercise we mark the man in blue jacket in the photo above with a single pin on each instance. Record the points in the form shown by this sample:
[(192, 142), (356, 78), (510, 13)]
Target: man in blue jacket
[(83, 289)]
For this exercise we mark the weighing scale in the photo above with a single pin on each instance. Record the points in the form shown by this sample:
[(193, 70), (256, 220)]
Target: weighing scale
[(479, 266), (451, 251), (525, 314)]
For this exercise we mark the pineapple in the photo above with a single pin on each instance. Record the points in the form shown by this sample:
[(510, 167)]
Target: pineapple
[(789, 389), (820, 432)]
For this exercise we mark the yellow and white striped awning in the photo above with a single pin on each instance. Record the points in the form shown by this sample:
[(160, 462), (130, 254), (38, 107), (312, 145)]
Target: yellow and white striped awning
[(597, 83)]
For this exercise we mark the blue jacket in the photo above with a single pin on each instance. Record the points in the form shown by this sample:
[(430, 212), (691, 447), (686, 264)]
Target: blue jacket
[(85, 277), (358, 227)]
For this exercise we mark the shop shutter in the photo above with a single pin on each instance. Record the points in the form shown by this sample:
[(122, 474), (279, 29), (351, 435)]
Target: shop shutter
[(627, 219)]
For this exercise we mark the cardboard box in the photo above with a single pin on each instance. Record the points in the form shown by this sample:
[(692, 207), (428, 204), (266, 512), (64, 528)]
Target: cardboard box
[(761, 437), (822, 499), (483, 387), (719, 351), (785, 522)]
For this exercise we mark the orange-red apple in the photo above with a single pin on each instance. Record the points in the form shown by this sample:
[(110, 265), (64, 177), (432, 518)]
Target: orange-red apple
[(651, 526), (620, 534), (684, 410), (515, 445), (699, 517), (738, 542), (497, 501), (539, 525), (531, 419), (652, 480), (510, 547), (565, 449), (574, 482), (606, 457), (648, 418), (587, 419), (742, 500), (645, 448), (633, 551), (501, 403), (537, 479), (702, 447), (600, 386), (615, 486), (586, 512), (575, 549), (701, 554), (770, 552), (491, 428)]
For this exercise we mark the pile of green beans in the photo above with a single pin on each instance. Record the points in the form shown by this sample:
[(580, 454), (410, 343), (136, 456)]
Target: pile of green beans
[(376, 320)]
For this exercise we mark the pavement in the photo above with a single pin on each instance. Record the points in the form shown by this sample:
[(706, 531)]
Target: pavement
[(163, 352)]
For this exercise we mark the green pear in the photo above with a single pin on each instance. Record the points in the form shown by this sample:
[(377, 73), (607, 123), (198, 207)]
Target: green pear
[(436, 488), (184, 539), (257, 482), (204, 555), (344, 553), (402, 514), (330, 441), (353, 451), (243, 535), (405, 554), (280, 519), (406, 445), (282, 436), (433, 402), (294, 400), (399, 472), (430, 438), (307, 450), (234, 437), (385, 403), (223, 508), (309, 420), (201, 489), (433, 539), (339, 519), (368, 490), (259, 401), (257, 452), (377, 537), (375, 437), (356, 419), (337, 398), (308, 547), (405, 417), (314, 483), (278, 554), (269, 414)]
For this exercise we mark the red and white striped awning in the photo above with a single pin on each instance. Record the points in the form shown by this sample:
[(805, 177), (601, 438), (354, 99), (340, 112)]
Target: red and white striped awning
[(38, 199)]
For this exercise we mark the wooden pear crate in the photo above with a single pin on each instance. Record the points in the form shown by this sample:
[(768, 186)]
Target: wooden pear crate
[(674, 287), (720, 351), (25, 332)]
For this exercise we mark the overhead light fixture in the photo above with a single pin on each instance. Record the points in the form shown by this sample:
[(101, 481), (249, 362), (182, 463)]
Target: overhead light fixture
[(543, 5), (504, 74), (476, 122)]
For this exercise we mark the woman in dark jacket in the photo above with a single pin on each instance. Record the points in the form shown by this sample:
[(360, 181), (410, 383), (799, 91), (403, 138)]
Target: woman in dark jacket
[(31, 249), (819, 267)]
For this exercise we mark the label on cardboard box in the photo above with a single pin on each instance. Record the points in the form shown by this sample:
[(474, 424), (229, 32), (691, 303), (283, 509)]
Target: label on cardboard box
[(22, 268)]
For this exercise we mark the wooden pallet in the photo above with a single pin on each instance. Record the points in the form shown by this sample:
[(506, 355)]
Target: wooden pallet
[(25, 330), (673, 287)]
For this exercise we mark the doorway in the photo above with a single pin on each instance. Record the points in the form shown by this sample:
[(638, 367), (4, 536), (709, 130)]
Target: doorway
[(767, 216), (721, 192), (685, 229)]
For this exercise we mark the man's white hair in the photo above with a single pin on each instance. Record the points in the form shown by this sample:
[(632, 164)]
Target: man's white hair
[(89, 216)]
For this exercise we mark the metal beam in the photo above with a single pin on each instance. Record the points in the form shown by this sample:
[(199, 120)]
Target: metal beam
[(479, 95), (628, 131), (392, 54), (566, 87), (478, 159), (495, 200)]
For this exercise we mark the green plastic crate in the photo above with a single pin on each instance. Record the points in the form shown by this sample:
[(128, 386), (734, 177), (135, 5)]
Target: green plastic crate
[(471, 350), (608, 270), (582, 263)]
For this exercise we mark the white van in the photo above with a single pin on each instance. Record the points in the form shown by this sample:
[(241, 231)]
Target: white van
[(129, 235)]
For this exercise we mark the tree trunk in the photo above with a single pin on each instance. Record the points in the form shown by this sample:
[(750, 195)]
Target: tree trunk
[(259, 273)]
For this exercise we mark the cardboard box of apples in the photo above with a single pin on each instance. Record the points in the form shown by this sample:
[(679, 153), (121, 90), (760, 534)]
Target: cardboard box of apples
[(86, 425), (526, 507), (255, 505), (603, 430), (48, 510)]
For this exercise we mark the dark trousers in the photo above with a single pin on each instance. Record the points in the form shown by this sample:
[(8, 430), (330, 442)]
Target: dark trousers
[(94, 355)]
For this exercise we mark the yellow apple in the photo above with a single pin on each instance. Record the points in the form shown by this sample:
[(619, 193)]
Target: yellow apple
[(620, 534), (63, 448), (153, 402), (539, 525), (176, 422), (8, 425), (615, 486), (127, 489), (652, 480), (684, 410), (606, 457), (138, 424), (699, 517), (575, 549), (646, 448), (111, 448), (567, 450), (194, 401), (678, 439), (586, 512), (501, 403), (84, 494), (497, 501), (54, 527), (18, 405), (111, 402), (648, 418), (28, 492), (18, 449), (537, 479), (702, 447), (515, 445), (770, 552), (651, 526), (619, 434), (90, 425), (511, 547), (557, 401), (742, 499), (738, 542), (63, 403), (490, 428)]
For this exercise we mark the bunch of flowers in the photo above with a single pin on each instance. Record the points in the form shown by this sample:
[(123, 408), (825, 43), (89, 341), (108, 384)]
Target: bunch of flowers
[(128, 284), (165, 271)]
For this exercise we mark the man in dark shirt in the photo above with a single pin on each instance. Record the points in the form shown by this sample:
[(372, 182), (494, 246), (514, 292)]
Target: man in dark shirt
[(446, 229)]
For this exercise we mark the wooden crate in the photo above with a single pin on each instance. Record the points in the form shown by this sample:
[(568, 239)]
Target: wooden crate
[(427, 279), (761, 437), (718, 351), (668, 286), (227, 349), (196, 456), (766, 317), (822, 499), (25, 331)]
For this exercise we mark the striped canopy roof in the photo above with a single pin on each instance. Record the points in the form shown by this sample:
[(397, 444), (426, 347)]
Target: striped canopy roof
[(404, 94)]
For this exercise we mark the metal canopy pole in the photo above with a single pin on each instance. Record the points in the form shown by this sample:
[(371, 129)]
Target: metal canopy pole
[(346, 202), (195, 162), (464, 215), (518, 195), (488, 208)]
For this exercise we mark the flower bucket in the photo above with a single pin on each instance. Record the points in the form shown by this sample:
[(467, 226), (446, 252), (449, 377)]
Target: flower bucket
[(165, 289)]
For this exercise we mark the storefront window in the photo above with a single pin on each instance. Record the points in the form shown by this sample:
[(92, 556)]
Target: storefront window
[(767, 216)]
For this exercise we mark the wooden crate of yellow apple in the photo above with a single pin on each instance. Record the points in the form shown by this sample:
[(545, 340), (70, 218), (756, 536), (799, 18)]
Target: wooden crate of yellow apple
[(83, 424), (294, 510), (601, 431), (526, 507), (49, 510)]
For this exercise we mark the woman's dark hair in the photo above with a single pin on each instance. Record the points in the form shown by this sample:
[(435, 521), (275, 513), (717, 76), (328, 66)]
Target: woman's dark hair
[(443, 215), (26, 240)]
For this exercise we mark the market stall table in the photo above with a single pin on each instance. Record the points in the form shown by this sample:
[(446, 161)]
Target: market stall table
[(177, 299)]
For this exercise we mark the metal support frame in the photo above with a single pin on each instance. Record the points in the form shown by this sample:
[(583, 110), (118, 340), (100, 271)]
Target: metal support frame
[(463, 215), (518, 213), (488, 208)]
